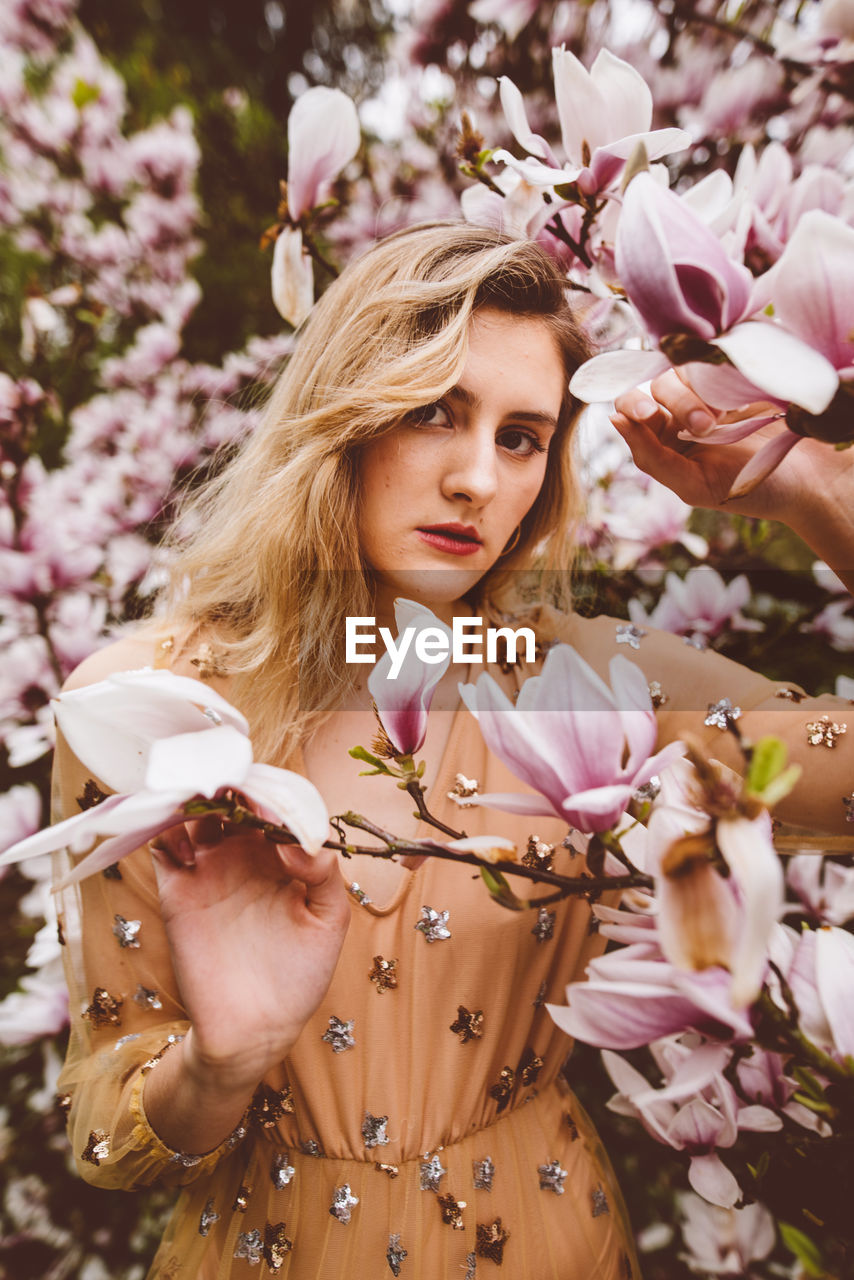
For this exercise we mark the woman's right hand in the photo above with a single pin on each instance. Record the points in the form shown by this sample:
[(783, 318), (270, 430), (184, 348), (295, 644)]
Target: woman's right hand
[(255, 930)]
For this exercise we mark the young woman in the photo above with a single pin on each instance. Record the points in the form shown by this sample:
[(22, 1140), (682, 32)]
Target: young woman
[(347, 1065)]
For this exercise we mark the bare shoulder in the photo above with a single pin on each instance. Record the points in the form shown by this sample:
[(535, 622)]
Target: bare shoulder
[(129, 653)]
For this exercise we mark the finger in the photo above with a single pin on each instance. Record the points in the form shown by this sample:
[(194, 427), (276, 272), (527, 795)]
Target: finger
[(658, 460), (176, 845), (207, 831), (682, 402), (319, 873), (637, 406)]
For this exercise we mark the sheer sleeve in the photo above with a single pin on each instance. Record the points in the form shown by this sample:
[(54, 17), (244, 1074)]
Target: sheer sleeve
[(125, 1010), (698, 692)]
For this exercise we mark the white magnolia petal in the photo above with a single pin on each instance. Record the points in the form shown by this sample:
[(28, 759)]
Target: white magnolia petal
[(626, 94), (287, 798), (323, 136), (534, 171), (80, 827), (118, 847), (512, 802), (712, 1180), (111, 725), (753, 862), (292, 277), (763, 463), (613, 373), (199, 763), (780, 364), (513, 105), (834, 964)]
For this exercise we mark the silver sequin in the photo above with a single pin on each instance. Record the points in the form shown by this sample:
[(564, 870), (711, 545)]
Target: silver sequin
[(628, 633), (545, 926), (648, 792), (433, 924), (184, 1160), (339, 1034), (600, 1203), (213, 716), (374, 1130), (126, 931), (358, 893), (722, 714), (311, 1148), (483, 1171), (395, 1254), (471, 1266), (697, 640), (432, 1173), (552, 1177), (147, 998), (848, 801), (126, 1040), (208, 1217), (281, 1171), (540, 998), (249, 1246), (342, 1202)]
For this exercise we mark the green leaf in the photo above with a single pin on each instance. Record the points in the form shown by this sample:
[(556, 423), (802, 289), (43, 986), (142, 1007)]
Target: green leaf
[(497, 885), (805, 1250), (767, 761), (782, 785), (361, 753), (84, 93)]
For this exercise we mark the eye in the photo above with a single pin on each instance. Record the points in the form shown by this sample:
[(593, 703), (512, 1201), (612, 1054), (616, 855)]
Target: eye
[(430, 415), (524, 444)]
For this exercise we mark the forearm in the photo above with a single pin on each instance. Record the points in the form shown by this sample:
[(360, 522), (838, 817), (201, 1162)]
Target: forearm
[(828, 529), (190, 1106)]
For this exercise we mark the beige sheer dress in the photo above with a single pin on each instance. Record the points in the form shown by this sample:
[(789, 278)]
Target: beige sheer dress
[(421, 1126)]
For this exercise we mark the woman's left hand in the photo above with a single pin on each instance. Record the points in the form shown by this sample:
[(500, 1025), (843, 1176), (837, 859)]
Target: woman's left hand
[(812, 489)]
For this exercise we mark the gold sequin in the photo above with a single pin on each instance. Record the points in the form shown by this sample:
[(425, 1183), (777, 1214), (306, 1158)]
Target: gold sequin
[(463, 787), (104, 1009), (657, 698), (452, 1211), (276, 1245), (97, 1148), (791, 695), (391, 1169), (530, 1066), (269, 1105), (503, 1089), (63, 1102), (468, 1026), (538, 855), (491, 1239), (208, 663), (91, 794), (241, 1200), (384, 974), (824, 732)]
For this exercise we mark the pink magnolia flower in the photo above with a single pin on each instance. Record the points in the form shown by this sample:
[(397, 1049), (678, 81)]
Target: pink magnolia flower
[(699, 602), (696, 1110), (403, 699), (323, 137), (583, 746), (820, 974), (707, 920), (825, 888), (604, 114), (724, 1242), (634, 996), (160, 740), (687, 290)]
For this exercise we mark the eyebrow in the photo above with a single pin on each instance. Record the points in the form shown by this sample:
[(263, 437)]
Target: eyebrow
[(534, 416)]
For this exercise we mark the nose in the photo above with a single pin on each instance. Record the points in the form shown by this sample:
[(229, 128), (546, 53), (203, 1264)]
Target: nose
[(471, 470)]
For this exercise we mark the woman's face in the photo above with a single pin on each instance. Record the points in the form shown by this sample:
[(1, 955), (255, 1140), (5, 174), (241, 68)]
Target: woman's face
[(443, 493)]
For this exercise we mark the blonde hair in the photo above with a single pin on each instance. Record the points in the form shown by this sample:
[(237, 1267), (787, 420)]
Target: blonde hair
[(272, 564)]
